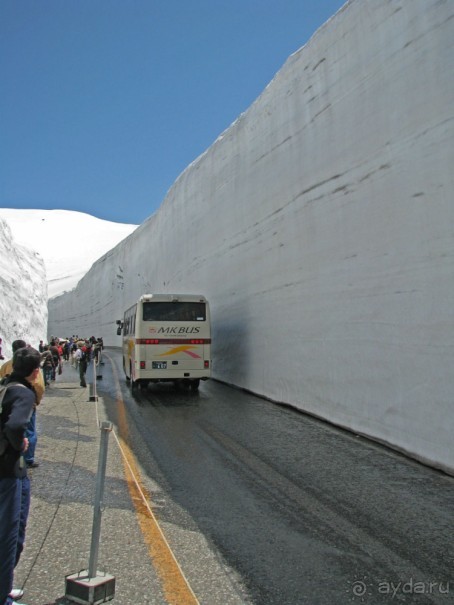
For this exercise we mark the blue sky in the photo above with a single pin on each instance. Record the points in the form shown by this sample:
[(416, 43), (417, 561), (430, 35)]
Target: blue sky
[(105, 102)]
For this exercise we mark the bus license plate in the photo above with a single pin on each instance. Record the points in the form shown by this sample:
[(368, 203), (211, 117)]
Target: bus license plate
[(159, 365)]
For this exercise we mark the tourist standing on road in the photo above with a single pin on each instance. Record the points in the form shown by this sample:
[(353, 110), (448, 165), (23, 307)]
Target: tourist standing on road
[(39, 388), (57, 359), (17, 407), (80, 357), (47, 365)]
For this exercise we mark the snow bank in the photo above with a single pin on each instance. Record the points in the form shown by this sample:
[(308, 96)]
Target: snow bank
[(320, 226), (69, 242), (23, 303)]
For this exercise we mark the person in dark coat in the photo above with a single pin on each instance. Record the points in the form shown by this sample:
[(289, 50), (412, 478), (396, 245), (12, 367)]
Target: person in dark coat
[(48, 365), (56, 355), (17, 408), (39, 387), (80, 357)]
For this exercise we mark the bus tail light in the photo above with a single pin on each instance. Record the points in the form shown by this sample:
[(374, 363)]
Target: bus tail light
[(206, 364), (142, 365)]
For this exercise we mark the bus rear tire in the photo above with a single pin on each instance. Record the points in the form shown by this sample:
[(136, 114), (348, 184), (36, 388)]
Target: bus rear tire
[(194, 385)]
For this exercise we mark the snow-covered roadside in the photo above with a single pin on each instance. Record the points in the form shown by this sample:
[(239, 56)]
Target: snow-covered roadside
[(23, 293)]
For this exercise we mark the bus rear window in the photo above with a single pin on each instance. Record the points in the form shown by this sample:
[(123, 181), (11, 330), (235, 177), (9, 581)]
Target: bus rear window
[(174, 311)]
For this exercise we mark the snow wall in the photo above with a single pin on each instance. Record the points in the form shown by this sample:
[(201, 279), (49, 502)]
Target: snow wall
[(320, 226), (23, 287)]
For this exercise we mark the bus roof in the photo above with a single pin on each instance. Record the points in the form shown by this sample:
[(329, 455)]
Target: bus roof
[(172, 298)]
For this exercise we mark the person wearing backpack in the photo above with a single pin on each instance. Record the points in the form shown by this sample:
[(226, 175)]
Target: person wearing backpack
[(39, 388), (80, 357), (17, 405), (47, 362), (56, 356)]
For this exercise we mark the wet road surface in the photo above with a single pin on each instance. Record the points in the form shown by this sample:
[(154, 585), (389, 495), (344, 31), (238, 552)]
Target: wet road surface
[(304, 512)]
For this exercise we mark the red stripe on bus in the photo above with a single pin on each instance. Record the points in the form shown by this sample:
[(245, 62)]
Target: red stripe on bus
[(173, 341)]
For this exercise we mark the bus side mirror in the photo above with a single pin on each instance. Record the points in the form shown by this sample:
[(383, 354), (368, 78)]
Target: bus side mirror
[(120, 326)]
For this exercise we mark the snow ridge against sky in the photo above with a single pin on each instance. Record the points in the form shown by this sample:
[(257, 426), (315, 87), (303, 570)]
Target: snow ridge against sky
[(69, 242)]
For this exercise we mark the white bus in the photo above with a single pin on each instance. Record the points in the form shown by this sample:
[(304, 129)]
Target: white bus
[(167, 337)]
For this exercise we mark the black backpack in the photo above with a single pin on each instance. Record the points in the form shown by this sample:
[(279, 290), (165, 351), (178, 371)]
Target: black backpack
[(3, 389)]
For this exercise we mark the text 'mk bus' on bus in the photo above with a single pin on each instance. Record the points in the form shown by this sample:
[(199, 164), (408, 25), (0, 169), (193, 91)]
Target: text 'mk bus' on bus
[(167, 337)]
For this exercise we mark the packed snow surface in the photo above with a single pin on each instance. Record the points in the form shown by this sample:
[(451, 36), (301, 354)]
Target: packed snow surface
[(69, 242), (23, 293)]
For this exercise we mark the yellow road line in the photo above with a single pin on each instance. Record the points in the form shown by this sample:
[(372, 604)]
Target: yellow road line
[(174, 583)]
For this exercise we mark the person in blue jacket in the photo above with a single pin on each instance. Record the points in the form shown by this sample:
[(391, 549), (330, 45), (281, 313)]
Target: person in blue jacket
[(17, 408)]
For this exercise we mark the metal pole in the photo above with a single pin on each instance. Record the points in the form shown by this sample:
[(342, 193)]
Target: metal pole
[(93, 394), (106, 427), (98, 362)]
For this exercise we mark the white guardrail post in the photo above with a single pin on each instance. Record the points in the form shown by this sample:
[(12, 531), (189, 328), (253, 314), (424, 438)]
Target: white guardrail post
[(90, 587)]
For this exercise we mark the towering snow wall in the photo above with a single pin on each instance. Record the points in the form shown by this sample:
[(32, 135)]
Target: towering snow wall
[(320, 226), (23, 287), (36, 229)]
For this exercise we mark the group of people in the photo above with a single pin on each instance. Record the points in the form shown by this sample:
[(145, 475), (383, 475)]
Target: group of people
[(22, 391), (51, 359), (79, 350), (23, 381)]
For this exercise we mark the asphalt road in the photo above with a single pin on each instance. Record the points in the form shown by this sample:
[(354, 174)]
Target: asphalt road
[(302, 511)]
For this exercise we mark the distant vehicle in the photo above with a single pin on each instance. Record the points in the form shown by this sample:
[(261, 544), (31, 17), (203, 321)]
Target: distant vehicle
[(167, 337)]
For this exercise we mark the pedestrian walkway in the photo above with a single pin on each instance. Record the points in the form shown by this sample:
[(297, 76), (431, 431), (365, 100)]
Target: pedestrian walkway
[(61, 516), (145, 555)]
